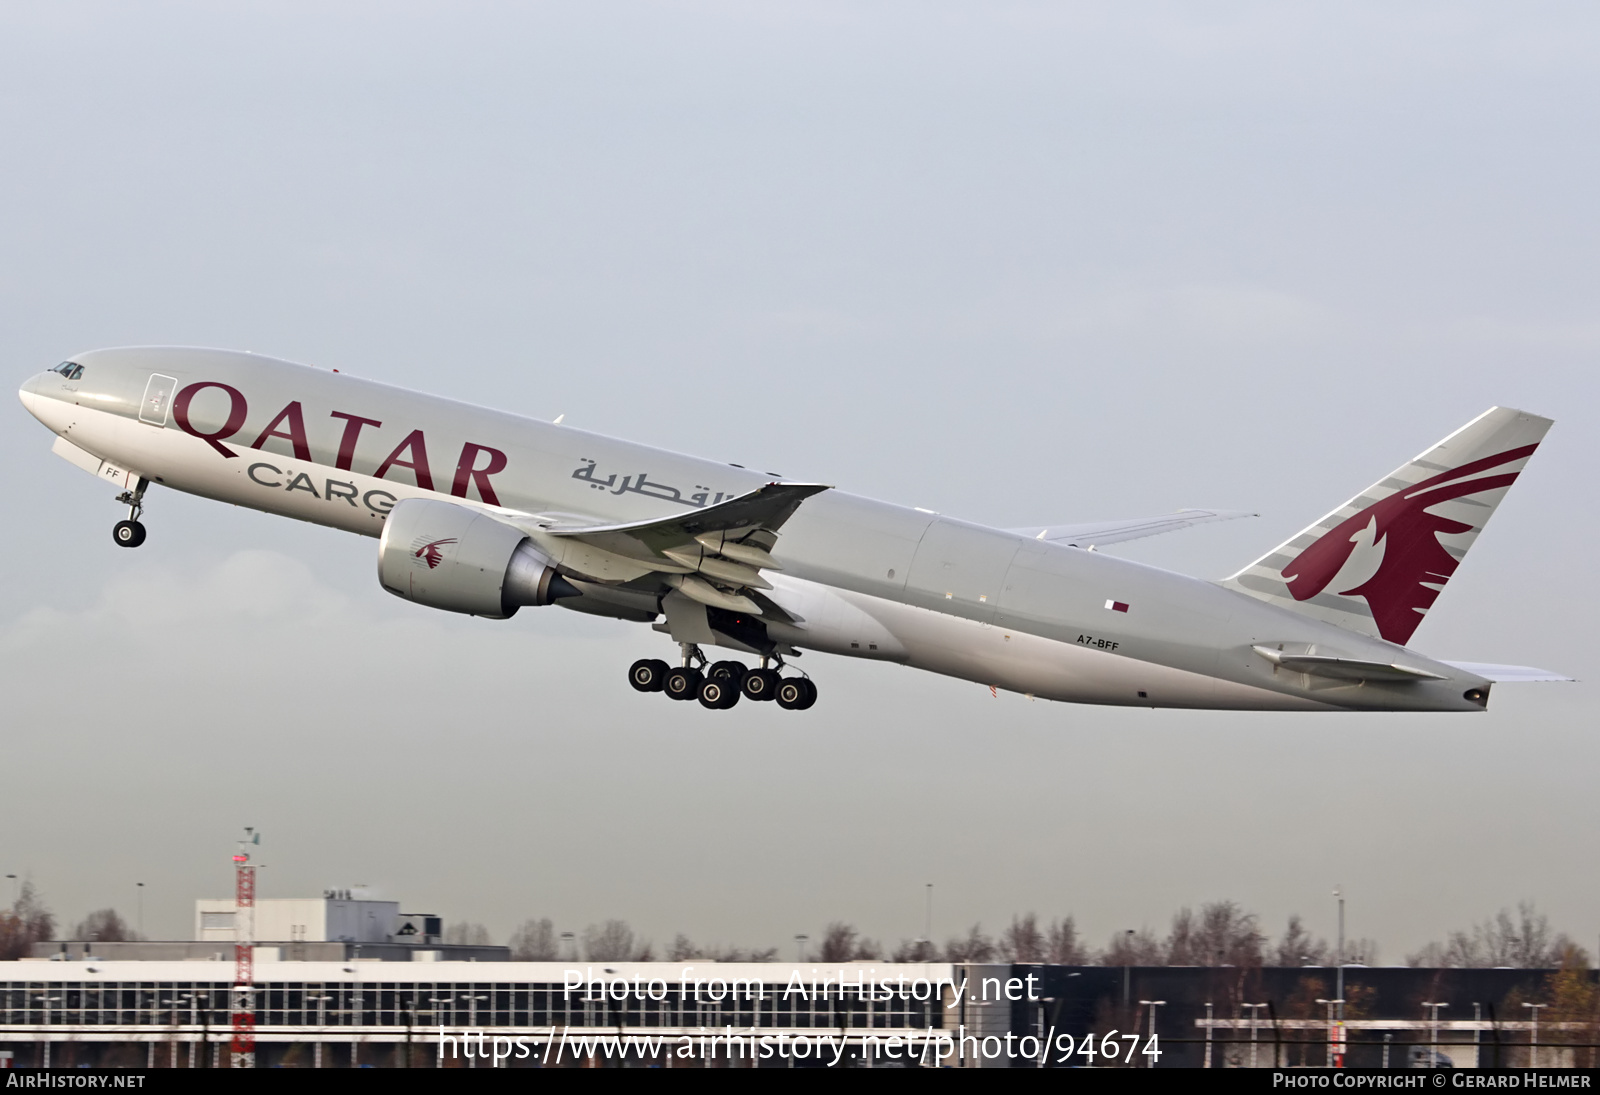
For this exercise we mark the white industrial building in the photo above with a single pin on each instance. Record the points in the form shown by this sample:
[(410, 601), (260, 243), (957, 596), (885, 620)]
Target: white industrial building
[(335, 917)]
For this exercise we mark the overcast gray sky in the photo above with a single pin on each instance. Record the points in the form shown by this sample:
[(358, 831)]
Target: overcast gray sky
[(1020, 263)]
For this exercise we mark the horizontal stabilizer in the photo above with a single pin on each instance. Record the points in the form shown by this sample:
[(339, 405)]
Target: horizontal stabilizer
[(1509, 674), (1096, 533), (1345, 669)]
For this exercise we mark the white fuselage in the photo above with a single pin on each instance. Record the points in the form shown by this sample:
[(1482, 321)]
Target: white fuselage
[(864, 578)]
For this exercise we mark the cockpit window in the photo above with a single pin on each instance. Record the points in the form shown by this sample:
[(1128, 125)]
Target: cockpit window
[(69, 369)]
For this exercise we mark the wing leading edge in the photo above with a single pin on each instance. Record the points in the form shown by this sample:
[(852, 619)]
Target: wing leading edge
[(714, 555)]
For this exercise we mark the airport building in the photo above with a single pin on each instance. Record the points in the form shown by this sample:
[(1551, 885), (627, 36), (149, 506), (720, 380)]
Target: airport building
[(87, 1010), (480, 1014), (346, 980)]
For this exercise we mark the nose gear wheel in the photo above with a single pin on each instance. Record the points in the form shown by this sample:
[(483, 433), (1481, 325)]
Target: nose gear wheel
[(130, 533)]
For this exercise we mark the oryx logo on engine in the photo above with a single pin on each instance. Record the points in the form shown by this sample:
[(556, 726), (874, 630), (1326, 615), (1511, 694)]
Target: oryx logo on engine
[(430, 554)]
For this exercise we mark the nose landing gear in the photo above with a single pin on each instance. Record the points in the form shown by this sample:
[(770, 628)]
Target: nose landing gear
[(130, 533)]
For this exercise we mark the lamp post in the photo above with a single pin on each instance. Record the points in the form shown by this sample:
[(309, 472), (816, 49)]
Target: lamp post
[(1207, 1062), (1255, 1024), (411, 1025), (1338, 988), (1127, 970), (16, 889), (1152, 1005), (194, 1021), (139, 889), (472, 1021), (800, 947), (1332, 1028), (1533, 1035), (175, 1001), (357, 1008), (436, 1001), (47, 1001), (322, 1026), (205, 1031), (1433, 1031)]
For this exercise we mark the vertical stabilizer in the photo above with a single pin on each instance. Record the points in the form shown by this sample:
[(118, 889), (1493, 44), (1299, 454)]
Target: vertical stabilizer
[(1377, 563)]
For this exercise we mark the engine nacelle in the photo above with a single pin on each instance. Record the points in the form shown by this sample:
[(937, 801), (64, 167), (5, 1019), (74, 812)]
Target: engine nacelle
[(447, 556)]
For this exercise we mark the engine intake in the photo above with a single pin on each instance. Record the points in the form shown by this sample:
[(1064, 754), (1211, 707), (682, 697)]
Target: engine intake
[(447, 556)]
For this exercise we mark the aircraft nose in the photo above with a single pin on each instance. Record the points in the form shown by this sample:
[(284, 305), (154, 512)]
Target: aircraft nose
[(29, 392)]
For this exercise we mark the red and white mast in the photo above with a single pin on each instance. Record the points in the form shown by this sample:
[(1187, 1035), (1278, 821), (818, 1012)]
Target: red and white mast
[(243, 1048)]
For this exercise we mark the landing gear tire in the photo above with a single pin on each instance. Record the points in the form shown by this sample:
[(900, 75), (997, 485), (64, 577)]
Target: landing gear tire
[(683, 683), (648, 675), (731, 672), (128, 534), (718, 694), (761, 684), (796, 694)]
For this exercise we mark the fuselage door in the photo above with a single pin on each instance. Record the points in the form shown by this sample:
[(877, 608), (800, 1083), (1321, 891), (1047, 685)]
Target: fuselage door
[(157, 399)]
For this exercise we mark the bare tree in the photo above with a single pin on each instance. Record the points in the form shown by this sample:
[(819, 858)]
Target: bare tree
[(1231, 935), (467, 934), (842, 943), (1222, 934), (535, 941), (1363, 951), (1062, 945), (838, 942), (104, 926), (1184, 947), (1023, 941), (609, 942), (1523, 941), (683, 949), (976, 947), (1140, 948), (744, 954), (26, 923), (1297, 947), (915, 950), (1430, 956)]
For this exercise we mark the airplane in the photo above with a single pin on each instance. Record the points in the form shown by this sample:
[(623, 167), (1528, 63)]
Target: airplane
[(482, 512)]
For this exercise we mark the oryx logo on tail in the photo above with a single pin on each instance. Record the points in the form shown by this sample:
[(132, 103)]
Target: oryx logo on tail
[(1415, 564), (1378, 563)]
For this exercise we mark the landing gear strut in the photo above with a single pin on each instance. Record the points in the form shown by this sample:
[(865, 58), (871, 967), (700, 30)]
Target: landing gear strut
[(130, 533), (720, 685)]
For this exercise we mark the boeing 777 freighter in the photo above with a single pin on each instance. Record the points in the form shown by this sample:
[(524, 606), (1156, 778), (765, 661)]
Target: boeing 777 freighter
[(482, 512)]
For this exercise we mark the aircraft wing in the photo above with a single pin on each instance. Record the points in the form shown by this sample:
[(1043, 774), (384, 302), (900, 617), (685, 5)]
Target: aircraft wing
[(713, 555), (1096, 533), (765, 508), (1509, 674)]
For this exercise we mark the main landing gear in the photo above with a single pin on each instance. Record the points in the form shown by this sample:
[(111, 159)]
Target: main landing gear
[(130, 533), (719, 685)]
